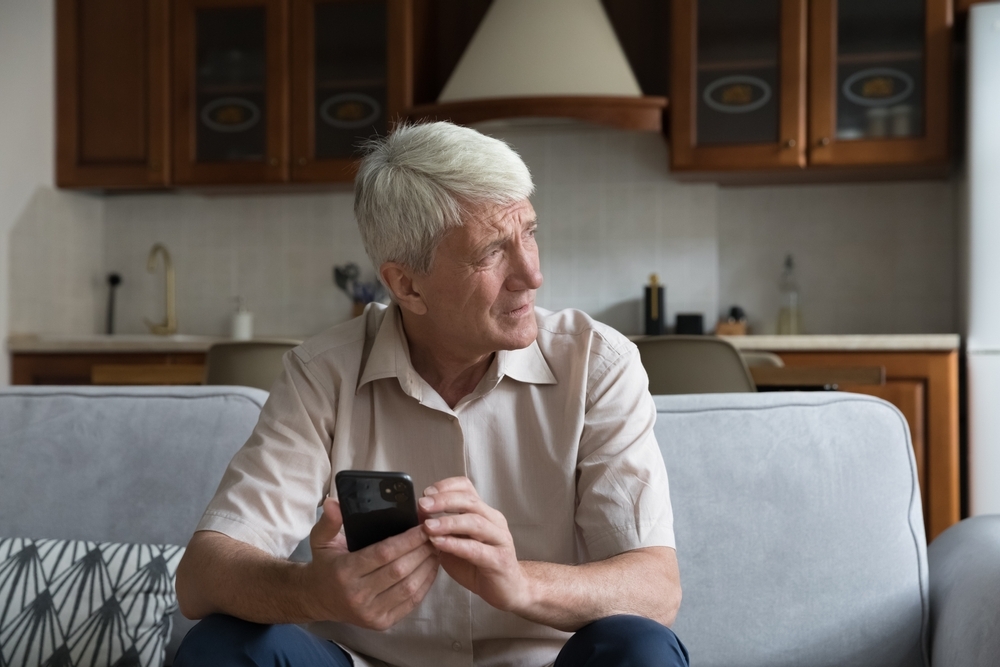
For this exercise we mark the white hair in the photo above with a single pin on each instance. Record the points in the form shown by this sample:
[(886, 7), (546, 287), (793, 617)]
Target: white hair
[(424, 179)]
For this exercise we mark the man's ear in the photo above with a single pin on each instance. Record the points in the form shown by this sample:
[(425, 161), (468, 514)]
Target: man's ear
[(399, 280)]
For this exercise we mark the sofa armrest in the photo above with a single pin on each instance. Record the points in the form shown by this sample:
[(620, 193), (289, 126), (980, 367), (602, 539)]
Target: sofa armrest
[(964, 568)]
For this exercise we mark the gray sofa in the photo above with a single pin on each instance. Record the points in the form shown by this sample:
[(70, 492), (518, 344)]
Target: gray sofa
[(797, 516)]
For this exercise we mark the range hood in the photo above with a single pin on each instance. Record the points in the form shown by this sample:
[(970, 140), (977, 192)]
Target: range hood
[(546, 58)]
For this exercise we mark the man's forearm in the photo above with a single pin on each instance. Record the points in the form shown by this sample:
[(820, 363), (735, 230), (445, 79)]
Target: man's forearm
[(221, 575), (643, 582)]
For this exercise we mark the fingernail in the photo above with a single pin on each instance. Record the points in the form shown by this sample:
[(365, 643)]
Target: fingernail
[(430, 491), (426, 503), (437, 539), (432, 523)]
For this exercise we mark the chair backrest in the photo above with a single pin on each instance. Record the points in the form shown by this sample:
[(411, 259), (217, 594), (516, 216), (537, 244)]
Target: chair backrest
[(251, 363), (760, 358), (799, 528), (693, 365)]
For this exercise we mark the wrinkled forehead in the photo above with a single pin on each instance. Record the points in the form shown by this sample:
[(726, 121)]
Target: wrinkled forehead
[(496, 220)]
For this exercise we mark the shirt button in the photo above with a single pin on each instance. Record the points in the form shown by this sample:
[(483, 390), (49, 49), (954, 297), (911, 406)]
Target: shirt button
[(456, 646)]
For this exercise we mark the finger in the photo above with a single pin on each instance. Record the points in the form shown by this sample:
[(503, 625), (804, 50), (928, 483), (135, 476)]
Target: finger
[(405, 595), (460, 502), (472, 551), (473, 526), (450, 484), (376, 555), (392, 573), (328, 526)]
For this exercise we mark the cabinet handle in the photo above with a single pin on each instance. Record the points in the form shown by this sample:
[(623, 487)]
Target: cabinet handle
[(825, 141), (791, 143)]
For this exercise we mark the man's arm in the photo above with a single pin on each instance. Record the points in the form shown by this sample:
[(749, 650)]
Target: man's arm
[(477, 550), (372, 588)]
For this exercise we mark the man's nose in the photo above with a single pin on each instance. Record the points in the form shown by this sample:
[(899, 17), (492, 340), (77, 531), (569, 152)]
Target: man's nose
[(525, 270)]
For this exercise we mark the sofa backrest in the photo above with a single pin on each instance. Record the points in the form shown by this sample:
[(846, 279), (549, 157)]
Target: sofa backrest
[(118, 464), (799, 530)]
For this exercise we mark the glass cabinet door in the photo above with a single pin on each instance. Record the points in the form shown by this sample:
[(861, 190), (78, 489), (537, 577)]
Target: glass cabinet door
[(347, 74), (230, 90), (738, 84), (879, 93)]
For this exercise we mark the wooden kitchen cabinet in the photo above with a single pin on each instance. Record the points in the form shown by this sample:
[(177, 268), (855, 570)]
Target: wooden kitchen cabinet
[(112, 85), (230, 108), (877, 75), (738, 84), (924, 386), (352, 76), (77, 368), (154, 93)]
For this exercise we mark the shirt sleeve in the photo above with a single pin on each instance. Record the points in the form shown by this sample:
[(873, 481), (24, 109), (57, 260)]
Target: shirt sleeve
[(272, 488), (623, 496)]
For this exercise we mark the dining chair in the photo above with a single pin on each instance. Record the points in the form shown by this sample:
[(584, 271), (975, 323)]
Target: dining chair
[(251, 363), (693, 365)]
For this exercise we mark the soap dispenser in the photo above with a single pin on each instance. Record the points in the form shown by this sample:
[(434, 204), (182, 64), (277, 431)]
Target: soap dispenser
[(242, 324)]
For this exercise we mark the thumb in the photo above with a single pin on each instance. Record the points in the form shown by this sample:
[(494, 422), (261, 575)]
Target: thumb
[(328, 527)]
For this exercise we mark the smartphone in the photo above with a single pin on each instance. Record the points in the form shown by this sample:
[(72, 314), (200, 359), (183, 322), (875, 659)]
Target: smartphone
[(375, 505)]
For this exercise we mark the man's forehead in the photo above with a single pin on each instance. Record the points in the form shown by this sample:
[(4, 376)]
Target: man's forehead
[(498, 218)]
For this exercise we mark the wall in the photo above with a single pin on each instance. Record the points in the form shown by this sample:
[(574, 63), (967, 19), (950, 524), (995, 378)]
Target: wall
[(51, 242), (873, 258), (876, 258), (608, 217)]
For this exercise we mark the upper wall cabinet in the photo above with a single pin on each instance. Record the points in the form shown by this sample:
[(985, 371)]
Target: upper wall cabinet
[(738, 84), (153, 93), (273, 91), (112, 82), (877, 75), (351, 77), (230, 105)]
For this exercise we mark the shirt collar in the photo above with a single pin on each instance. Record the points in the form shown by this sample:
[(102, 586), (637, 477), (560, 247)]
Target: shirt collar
[(390, 357)]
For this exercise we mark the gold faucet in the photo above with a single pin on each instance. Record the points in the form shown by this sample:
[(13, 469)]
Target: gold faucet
[(170, 326)]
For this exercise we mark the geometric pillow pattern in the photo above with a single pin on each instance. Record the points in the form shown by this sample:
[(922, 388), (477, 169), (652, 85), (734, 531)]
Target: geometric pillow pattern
[(70, 603)]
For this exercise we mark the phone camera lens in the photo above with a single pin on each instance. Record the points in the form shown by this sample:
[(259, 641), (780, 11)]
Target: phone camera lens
[(400, 486), (400, 497)]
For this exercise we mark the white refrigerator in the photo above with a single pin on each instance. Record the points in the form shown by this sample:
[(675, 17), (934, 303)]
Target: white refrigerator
[(982, 259)]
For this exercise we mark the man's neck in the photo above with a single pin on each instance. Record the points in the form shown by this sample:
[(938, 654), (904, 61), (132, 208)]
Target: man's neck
[(452, 375)]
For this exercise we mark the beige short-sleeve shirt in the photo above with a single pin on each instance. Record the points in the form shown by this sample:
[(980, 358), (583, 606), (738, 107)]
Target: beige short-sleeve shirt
[(558, 437)]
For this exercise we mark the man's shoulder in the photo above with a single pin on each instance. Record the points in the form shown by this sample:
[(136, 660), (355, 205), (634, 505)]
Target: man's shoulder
[(347, 340), (574, 333)]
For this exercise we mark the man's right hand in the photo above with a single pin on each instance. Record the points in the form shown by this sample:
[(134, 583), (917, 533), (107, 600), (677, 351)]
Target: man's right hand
[(373, 587)]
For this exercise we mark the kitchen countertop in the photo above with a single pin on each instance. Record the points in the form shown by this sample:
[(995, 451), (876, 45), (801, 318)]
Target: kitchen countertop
[(850, 343), (55, 344)]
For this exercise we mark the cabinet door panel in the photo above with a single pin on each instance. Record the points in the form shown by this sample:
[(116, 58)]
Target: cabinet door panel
[(879, 81), (351, 73), (111, 83), (738, 84), (230, 62)]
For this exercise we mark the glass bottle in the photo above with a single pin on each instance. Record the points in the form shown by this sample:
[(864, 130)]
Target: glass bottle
[(789, 317)]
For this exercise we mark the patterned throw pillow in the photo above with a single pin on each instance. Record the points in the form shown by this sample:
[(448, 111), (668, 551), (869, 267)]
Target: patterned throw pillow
[(66, 603)]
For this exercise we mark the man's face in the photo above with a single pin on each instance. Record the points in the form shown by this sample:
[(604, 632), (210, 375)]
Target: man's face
[(480, 291)]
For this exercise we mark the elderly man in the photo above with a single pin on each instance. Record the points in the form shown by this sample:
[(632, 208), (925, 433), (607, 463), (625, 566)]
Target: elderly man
[(530, 433)]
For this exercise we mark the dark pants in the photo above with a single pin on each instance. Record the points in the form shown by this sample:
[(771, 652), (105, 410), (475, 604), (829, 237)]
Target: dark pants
[(224, 641)]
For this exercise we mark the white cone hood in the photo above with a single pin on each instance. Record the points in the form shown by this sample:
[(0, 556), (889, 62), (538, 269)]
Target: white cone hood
[(542, 48)]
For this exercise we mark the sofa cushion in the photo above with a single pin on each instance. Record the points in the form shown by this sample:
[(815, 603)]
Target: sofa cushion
[(68, 602), (799, 530), (117, 464)]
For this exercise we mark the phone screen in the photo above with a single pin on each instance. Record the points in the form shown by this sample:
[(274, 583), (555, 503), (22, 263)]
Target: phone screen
[(375, 505)]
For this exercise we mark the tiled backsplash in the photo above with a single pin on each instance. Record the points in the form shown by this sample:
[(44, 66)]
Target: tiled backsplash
[(873, 258)]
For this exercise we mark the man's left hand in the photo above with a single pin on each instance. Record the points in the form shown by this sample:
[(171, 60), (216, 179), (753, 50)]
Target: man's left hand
[(477, 549)]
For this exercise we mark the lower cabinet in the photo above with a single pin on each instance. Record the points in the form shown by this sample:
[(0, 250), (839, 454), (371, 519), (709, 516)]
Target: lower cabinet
[(118, 368), (925, 388)]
